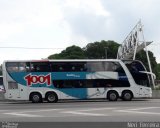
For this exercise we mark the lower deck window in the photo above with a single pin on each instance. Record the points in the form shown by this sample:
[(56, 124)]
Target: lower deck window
[(96, 83)]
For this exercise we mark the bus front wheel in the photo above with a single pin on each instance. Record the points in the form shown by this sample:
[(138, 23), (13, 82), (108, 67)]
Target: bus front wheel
[(51, 97), (36, 97), (112, 96)]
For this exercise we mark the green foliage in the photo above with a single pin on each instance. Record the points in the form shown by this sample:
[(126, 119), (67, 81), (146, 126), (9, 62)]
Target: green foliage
[(142, 57), (158, 70), (98, 50), (72, 52)]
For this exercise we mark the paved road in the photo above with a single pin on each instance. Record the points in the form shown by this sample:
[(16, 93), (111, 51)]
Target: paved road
[(78, 111)]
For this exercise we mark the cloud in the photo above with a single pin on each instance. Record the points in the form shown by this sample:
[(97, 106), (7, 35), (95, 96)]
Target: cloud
[(88, 20), (55, 23), (18, 16)]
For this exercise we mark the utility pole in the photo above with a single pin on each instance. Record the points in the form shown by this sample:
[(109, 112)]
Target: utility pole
[(105, 48)]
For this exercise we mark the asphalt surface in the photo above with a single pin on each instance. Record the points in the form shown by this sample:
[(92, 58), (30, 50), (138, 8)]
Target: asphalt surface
[(82, 111), (139, 113)]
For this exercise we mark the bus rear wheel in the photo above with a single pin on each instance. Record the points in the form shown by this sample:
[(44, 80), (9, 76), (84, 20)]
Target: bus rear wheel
[(51, 97), (36, 98), (127, 96), (112, 96)]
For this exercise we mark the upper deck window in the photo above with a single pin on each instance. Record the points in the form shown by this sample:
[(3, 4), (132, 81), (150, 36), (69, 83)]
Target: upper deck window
[(12, 66), (104, 66), (134, 66), (40, 67), (17, 66), (68, 66)]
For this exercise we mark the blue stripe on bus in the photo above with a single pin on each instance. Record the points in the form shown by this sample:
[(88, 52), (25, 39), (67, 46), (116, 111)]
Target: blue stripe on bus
[(68, 75), (80, 93)]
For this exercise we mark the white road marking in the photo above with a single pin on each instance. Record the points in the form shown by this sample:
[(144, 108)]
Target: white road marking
[(95, 109), (82, 112), (40, 110), (4, 110), (24, 115), (136, 111)]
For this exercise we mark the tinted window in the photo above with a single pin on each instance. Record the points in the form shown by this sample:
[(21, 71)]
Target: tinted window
[(134, 66), (95, 66), (40, 67), (77, 67), (113, 66), (104, 66), (24, 67), (68, 66), (12, 67), (17, 66), (1, 80), (90, 83), (58, 67)]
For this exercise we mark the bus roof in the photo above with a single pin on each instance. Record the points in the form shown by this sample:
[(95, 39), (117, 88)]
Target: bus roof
[(64, 60)]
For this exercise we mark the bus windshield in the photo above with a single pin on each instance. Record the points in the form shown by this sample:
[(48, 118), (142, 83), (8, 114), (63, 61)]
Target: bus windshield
[(136, 69)]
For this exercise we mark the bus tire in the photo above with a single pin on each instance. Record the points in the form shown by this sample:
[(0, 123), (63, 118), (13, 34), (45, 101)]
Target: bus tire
[(127, 95), (112, 96), (51, 97), (36, 97)]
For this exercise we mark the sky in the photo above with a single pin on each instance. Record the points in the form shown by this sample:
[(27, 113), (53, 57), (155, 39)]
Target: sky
[(44, 27)]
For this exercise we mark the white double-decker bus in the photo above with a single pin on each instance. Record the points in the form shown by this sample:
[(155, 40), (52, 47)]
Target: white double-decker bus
[(52, 80)]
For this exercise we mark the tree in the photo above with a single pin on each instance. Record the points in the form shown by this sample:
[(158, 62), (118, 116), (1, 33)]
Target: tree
[(142, 57), (72, 52), (158, 70), (96, 50), (99, 50)]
